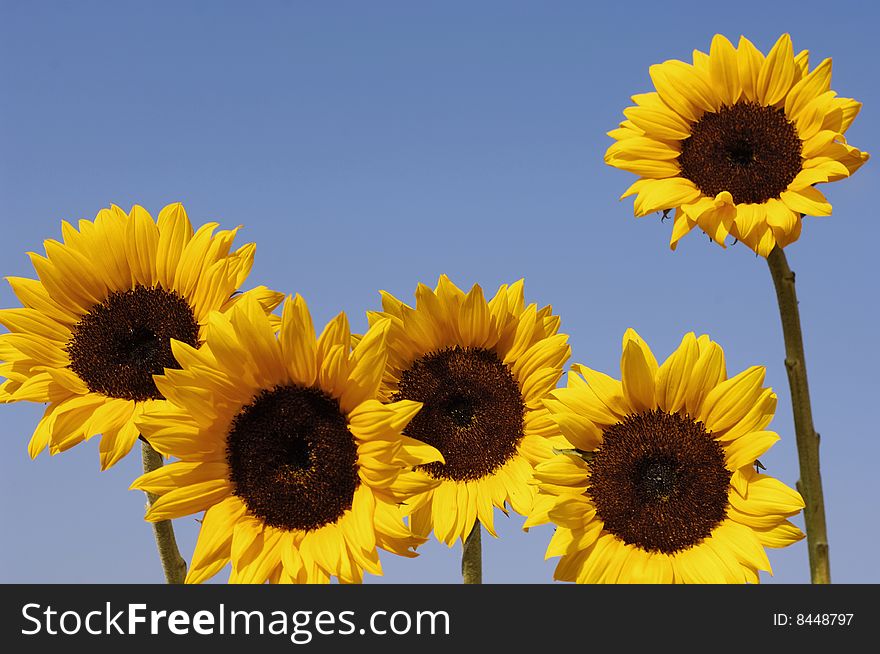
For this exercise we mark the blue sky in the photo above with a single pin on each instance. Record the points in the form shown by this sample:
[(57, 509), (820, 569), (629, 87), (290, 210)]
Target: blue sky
[(369, 146)]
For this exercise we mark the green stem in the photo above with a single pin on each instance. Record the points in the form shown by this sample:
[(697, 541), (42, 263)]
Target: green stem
[(810, 484), (472, 557), (172, 563)]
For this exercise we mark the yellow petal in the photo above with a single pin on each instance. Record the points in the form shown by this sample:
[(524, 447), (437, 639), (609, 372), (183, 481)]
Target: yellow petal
[(782, 535), (574, 512), (582, 399), (116, 443), (809, 201), (578, 430), (445, 512), (745, 451), (175, 231), (32, 321), (682, 224), (179, 475), (777, 72), (638, 369), (643, 148), (189, 499), (812, 117), (750, 61), (757, 418), (213, 547), (474, 320), (812, 86), (768, 495), (723, 70), (141, 243), (743, 542), (662, 194), (368, 364), (563, 474), (33, 295), (729, 401), (674, 374), (706, 375), (684, 88), (659, 122), (257, 565), (297, 340), (823, 171), (651, 168)]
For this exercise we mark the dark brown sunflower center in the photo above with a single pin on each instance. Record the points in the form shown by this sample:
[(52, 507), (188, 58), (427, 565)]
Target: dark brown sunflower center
[(292, 459), (473, 411), (659, 482), (119, 345), (752, 151)]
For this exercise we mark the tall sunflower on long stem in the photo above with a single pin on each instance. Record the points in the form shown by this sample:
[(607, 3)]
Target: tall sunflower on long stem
[(98, 323), (481, 370), (735, 143)]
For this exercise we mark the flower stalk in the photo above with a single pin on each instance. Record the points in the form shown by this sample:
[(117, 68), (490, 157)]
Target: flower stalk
[(172, 562), (472, 557), (810, 483)]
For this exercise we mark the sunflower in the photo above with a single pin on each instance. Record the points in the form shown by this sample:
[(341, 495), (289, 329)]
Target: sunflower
[(96, 326), (658, 484), (736, 143), (481, 370), (282, 443)]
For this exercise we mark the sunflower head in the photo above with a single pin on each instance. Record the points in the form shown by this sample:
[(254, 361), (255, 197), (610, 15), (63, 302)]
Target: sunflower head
[(480, 369), (736, 142), (283, 444), (97, 324), (658, 484)]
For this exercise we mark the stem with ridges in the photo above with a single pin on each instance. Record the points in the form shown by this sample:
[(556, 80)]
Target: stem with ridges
[(472, 557), (172, 562), (810, 483)]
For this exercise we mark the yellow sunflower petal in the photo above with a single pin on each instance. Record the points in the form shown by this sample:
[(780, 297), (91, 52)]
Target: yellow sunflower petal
[(257, 564), (672, 377), (782, 535), (141, 243), (756, 419), (368, 363), (189, 499), (297, 340), (663, 194), (730, 400), (750, 61), (214, 543), (659, 122), (707, 373), (175, 231), (768, 495), (777, 72), (684, 88), (178, 475), (116, 443), (724, 70), (745, 451), (638, 369), (817, 82), (807, 201)]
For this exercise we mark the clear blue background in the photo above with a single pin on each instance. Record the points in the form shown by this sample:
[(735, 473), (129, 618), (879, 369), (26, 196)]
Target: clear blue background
[(369, 146)]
